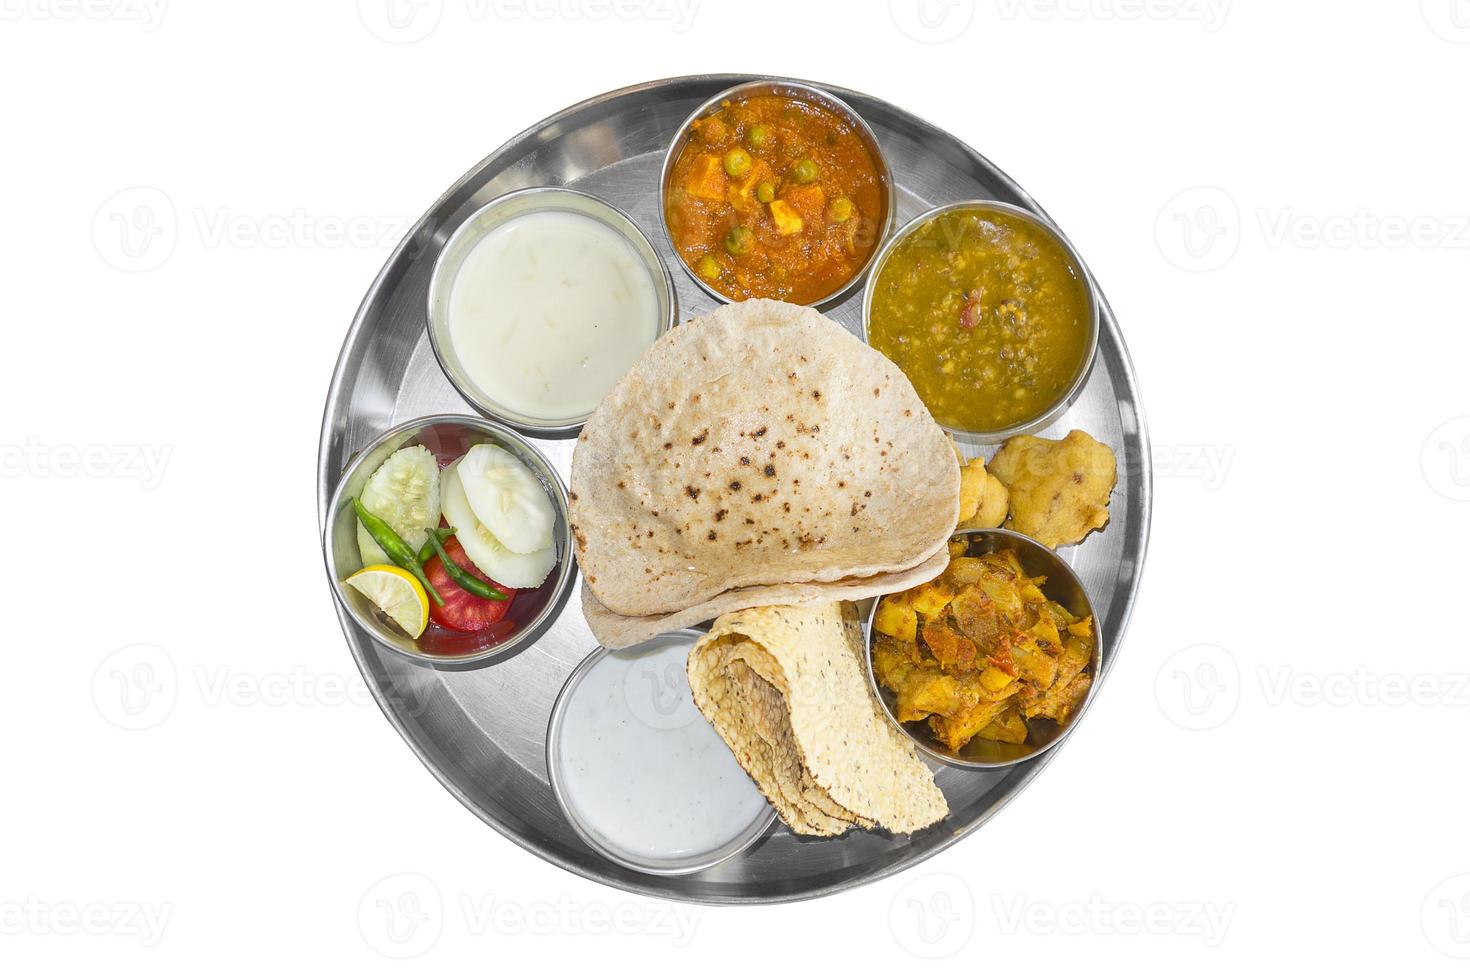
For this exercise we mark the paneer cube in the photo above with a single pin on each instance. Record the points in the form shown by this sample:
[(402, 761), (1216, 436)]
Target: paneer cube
[(741, 193), (707, 178), (788, 222), (808, 199)]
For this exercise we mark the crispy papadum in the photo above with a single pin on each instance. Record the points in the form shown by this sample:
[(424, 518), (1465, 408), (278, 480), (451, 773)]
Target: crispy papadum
[(761, 444), (787, 690)]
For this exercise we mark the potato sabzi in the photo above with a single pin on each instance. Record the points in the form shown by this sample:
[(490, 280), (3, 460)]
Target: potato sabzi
[(775, 197), (980, 651)]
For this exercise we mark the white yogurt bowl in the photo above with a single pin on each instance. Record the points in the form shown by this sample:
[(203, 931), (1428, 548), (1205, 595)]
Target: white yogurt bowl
[(540, 302), (641, 776)]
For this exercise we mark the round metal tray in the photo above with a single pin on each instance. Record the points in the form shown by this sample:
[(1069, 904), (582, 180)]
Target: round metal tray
[(481, 732)]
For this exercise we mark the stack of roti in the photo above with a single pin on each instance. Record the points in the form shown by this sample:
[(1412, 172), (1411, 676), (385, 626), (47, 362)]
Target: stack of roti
[(760, 455), (786, 689)]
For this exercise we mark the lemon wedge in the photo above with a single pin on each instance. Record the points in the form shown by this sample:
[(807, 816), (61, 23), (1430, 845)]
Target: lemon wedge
[(397, 593)]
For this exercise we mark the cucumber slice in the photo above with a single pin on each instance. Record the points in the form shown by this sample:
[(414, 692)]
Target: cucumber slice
[(507, 498), (509, 568), (405, 492)]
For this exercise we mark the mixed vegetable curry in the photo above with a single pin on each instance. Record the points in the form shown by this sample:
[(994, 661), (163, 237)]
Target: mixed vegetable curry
[(775, 197)]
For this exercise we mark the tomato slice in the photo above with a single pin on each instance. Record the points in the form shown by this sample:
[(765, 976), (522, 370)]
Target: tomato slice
[(461, 611)]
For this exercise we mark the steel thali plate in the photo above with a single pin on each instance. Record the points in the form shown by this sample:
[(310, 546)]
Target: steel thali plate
[(481, 732)]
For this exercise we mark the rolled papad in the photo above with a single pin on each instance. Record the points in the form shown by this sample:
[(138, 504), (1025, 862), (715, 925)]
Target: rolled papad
[(786, 689), (616, 631), (762, 444)]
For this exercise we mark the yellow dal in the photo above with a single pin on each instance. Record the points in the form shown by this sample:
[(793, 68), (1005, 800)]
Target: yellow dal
[(987, 316)]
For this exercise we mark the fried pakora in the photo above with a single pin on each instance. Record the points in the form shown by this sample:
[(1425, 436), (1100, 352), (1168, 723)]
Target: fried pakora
[(981, 651), (984, 500), (1059, 488)]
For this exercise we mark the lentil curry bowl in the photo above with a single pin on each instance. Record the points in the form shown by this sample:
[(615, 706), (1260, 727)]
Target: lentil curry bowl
[(989, 313), (776, 192)]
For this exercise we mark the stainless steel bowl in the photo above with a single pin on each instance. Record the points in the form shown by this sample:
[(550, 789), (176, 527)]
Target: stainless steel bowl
[(810, 93), (471, 231), (1063, 586), (1054, 411), (647, 865), (447, 436)]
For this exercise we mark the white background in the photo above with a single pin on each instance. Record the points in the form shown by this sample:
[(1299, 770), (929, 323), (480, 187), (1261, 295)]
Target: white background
[(1273, 197)]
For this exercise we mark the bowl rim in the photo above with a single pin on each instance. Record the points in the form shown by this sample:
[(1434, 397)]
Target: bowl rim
[(927, 747), (1074, 388), (735, 846), (565, 572), (663, 283), (795, 87)]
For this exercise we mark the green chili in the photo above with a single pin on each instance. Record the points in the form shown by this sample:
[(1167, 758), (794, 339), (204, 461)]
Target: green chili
[(394, 547), (427, 551), (462, 578)]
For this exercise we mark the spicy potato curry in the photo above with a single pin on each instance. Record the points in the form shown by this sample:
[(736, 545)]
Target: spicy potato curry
[(980, 652)]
